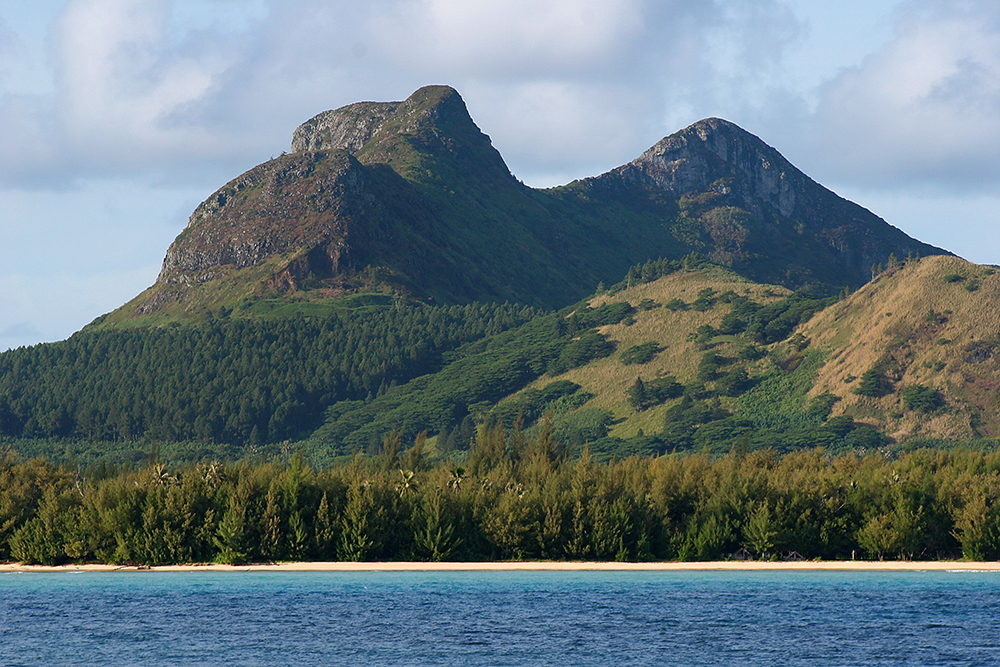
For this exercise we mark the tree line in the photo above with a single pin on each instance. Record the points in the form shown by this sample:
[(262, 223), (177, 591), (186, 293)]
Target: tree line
[(516, 495)]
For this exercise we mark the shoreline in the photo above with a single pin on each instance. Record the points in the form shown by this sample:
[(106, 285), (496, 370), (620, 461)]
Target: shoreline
[(530, 566)]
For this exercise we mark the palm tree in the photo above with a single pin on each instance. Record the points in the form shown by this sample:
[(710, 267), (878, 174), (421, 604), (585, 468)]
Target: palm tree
[(457, 475)]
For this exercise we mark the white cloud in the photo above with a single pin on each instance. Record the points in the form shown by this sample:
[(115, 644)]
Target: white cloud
[(924, 109), (523, 37), (154, 85), (123, 85), (567, 89), (33, 150)]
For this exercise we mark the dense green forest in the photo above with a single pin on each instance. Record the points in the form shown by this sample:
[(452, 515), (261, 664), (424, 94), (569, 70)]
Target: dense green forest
[(338, 383), (516, 496), (343, 379), (236, 381)]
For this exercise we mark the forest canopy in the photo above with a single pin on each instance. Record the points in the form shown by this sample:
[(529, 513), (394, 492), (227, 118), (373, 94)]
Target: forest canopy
[(516, 496)]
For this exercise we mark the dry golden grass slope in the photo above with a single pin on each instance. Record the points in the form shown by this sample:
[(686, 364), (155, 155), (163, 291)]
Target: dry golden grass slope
[(609, 379), (933, 322)]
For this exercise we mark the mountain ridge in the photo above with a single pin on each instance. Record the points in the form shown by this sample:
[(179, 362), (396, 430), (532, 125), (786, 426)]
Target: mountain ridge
[(412, 198), (723, 162)]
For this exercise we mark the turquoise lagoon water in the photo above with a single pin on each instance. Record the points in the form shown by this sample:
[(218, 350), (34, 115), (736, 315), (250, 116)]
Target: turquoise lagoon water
[(500, 618)]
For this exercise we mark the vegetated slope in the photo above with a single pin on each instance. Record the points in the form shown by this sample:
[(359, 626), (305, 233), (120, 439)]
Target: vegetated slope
[(476, 376), (705, 360), (411, 198), (682, 355), (916, 351), (912, 357), (232, 381), (676, 319), (709, 348)]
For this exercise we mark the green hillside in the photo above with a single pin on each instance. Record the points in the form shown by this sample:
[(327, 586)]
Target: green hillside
[(234, 381), (909, 359)]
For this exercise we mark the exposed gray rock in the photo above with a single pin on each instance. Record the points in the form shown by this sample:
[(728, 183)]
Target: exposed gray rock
[(347, 128), (695, 157), (295, 203)]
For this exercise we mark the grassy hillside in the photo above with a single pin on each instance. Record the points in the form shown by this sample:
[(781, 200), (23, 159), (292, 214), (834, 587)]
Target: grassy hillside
[(931, 324), (915, 355), (673, 330)]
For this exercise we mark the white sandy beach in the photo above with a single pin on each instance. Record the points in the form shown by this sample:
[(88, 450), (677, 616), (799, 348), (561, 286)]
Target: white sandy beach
[(747, 566)]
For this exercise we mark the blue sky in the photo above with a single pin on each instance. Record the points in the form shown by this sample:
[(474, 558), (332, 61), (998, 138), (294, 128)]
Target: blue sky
[(117, 117)]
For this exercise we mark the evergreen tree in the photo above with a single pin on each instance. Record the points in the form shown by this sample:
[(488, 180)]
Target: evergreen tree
[(638, 398)]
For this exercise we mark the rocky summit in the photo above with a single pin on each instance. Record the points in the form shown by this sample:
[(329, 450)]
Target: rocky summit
[(744, 205), (411, 199)]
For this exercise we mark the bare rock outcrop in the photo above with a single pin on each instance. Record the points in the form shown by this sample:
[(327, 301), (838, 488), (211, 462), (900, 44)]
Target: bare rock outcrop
[(305, 202), (692, 159), (347, 128)]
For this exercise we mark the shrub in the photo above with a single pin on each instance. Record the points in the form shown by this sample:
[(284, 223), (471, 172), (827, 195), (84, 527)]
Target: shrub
[(922, 399), (642, 395), (676, 304), (733, 383), (591, 345), (705, 300), (840, 425), (821, 406), (708, 368), (640, 354), (648, 304), (873, 384)]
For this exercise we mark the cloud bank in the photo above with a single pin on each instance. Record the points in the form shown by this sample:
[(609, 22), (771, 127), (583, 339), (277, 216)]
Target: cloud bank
[(565, 86), (149, 85), (924, 110)]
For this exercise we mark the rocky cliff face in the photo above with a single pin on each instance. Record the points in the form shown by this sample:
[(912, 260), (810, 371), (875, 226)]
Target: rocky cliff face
[(316, 207), (744, 205), (347, 128), (696, 158), (320, 199)]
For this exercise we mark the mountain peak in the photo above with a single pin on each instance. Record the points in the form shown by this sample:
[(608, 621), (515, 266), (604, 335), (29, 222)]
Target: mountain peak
[(747, 207), (712, 149), (432, 122), (352, 126), (347, 128)]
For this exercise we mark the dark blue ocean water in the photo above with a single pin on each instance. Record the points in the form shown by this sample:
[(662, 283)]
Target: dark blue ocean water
[(500, 618)]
